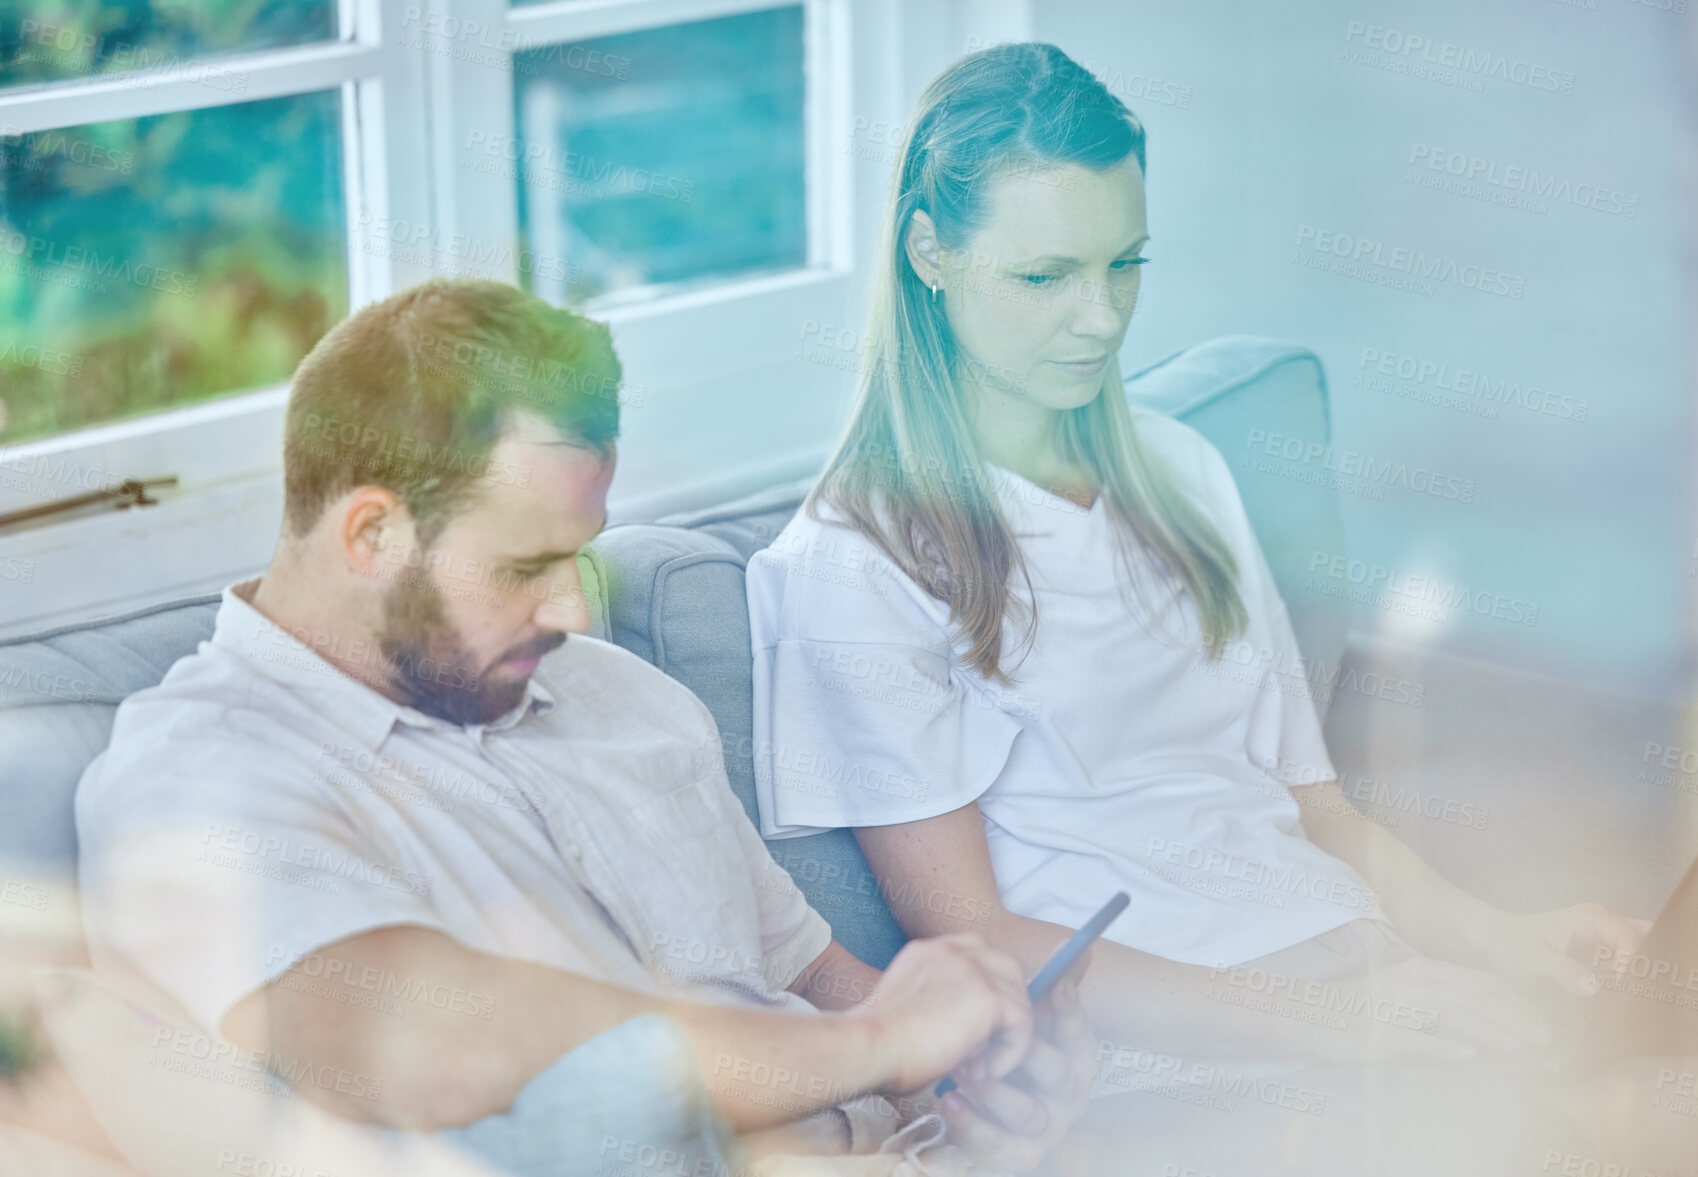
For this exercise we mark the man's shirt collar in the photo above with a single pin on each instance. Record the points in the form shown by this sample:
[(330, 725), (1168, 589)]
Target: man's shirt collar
[(293, 659)]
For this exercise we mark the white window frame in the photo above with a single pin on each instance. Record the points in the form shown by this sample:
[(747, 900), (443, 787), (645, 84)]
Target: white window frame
[(406, 113)]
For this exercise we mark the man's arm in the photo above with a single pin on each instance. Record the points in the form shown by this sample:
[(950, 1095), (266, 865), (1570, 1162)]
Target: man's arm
[(444, 1065)]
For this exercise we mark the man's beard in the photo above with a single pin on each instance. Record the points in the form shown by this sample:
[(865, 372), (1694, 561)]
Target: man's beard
[(429, 667)]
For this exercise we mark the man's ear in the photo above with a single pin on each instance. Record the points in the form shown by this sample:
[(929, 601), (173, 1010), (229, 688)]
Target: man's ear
[(920, 243), (376, 530)]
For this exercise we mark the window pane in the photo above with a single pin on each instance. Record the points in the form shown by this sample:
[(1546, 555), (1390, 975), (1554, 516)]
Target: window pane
[(661, 156), (50, 40), (151, 262)]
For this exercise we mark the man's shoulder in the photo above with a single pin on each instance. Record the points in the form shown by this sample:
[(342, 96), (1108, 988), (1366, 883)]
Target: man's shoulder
[(616, 683), (205, 723), (206, 697), (642, 723), (603, 660), (197, 696)]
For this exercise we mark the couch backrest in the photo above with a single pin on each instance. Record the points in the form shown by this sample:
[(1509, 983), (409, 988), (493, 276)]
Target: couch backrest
[(673, 593)]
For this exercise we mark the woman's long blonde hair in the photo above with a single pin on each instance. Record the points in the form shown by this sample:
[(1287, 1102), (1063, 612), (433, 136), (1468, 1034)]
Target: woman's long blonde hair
[(907, 472)]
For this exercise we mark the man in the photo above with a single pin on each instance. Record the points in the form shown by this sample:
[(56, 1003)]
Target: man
[(391, 822)]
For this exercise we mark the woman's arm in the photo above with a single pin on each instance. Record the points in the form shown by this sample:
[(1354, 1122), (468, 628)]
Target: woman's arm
[(1443, 920), (835, 980), (938, 876), (1145, 1002), (1431, 913)]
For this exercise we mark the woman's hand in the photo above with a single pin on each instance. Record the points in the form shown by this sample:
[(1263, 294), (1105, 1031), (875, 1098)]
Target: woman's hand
[(1011, 1125), (1566, 947)]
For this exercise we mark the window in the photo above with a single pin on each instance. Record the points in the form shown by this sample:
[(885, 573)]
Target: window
[(160, 261), (663, 156), (51, 40), (193, 191)]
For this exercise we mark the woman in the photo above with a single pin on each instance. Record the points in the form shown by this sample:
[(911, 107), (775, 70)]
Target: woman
[(985, 641)]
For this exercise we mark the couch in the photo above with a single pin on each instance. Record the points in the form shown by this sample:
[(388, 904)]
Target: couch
[(672, 592)]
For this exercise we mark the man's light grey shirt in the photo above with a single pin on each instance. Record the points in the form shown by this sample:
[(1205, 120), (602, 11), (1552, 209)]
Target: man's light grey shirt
[(260, 804)]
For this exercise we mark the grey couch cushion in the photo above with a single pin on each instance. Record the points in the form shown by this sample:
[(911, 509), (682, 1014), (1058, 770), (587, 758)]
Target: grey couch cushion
[(678, 600), (58, 693)]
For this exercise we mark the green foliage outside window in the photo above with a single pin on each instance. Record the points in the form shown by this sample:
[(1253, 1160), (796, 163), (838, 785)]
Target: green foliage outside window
[(154, 262)]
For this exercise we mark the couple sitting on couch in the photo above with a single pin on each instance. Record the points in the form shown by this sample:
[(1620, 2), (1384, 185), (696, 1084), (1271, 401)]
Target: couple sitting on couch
[(390, 761)]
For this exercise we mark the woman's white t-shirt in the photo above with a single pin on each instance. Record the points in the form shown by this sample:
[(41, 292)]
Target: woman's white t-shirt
[(1118, 758)]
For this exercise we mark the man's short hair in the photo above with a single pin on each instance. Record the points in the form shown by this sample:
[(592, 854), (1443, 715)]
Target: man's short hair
[(412, 393)]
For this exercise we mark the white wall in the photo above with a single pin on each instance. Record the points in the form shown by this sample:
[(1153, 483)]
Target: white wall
[(1261, 122)]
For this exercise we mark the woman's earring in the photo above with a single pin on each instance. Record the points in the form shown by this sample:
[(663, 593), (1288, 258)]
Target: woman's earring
[(934, 291)]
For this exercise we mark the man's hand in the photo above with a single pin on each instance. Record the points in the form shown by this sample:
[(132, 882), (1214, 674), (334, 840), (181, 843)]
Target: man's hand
[(1013, 1124), (942, 1000), (1559, 947)]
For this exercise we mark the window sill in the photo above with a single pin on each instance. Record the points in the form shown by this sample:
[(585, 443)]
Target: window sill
[(115, 561)]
